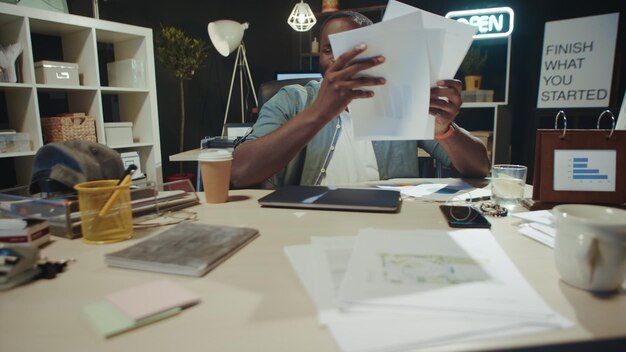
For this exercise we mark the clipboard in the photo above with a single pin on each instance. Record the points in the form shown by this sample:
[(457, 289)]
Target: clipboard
[(579, 166)]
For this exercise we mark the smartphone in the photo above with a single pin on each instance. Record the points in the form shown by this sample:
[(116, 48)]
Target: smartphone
[(464, 217)]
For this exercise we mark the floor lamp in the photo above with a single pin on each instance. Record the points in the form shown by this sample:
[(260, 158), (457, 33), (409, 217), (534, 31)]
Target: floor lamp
[(226, 36)]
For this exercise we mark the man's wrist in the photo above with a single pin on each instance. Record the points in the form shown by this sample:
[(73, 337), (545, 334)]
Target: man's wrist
[(447, 133)]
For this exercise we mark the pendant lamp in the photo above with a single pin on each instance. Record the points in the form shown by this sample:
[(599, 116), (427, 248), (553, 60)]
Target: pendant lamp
[(302, 18)]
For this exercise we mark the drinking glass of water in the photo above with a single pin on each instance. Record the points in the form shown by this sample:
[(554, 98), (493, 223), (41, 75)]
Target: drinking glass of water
[(507, 184)]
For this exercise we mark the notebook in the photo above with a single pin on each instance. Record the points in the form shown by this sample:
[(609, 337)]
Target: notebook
[(319, 197), (186, 249)]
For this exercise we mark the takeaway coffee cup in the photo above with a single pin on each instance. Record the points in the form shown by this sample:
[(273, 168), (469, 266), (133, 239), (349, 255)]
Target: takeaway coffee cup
[(215, 170), (590, 248)]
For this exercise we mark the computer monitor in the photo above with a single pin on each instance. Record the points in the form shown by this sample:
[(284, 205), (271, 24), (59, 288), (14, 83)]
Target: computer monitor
[(297, 74)]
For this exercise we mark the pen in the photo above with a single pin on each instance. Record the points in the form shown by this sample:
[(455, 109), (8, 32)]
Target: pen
[(478, 199), (124, 181)]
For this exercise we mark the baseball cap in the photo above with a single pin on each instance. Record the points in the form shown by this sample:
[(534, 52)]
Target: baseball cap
[(58, 166)]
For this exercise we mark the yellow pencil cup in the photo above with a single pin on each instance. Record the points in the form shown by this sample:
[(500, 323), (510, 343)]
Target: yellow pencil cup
[(105, 211)]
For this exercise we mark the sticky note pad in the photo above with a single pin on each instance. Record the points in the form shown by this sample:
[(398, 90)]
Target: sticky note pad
[(149, 299), (108, 320)]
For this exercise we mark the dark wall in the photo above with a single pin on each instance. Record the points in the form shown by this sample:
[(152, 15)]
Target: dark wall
[(272, 45)]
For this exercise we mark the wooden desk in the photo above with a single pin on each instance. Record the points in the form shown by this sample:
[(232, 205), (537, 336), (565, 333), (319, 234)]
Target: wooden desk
[(254, 301)]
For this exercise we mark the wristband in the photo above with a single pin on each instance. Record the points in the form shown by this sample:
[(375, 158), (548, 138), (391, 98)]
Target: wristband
[(446, 134)]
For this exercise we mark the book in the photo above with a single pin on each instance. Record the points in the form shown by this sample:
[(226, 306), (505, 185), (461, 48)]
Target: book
[(186, 249), (12, 223), (35, 232)]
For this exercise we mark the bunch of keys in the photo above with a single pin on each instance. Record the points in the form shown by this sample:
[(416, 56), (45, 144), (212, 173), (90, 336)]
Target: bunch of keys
[(20, 263)]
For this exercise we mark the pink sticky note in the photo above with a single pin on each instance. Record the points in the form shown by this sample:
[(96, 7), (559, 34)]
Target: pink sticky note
[(143, 301)]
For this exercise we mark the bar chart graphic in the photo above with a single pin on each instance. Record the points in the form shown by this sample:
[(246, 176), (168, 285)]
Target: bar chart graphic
[(584, 170)]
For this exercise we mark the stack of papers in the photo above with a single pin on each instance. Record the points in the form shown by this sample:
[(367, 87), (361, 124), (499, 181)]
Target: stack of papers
[(138, 306), (432, 48), (444, 191), (538, 225), (387, 290)]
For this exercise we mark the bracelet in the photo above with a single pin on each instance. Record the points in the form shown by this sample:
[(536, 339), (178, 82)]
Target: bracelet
[(446, 134)]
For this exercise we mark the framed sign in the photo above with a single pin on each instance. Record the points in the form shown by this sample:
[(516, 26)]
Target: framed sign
[(580, 166), (577, 62)]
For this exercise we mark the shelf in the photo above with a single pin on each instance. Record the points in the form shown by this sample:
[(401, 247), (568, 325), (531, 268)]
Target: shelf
[(134, 145), (16, 154), (122, 90), (62, 88), (91, 44), (482, 104)]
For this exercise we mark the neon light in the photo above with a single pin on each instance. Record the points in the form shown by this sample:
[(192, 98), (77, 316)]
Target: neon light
[(495, 22)]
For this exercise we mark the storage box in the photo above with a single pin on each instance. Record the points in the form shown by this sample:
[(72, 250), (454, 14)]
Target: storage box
[(128, 73), (129, 158), (14, 142), (55, 72), (67, 128), (118, 133)]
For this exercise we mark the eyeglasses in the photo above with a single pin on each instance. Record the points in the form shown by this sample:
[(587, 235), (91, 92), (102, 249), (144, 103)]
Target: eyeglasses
[(166, 218)]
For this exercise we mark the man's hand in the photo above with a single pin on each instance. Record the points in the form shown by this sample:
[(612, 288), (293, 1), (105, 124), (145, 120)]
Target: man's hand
[(445, 103), (339, 86)]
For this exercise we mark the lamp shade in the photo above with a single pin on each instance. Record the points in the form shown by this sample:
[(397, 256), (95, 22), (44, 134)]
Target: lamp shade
[(226, 35), (302, 18)]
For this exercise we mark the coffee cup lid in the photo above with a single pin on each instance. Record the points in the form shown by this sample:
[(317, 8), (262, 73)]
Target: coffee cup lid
[(215, 155)]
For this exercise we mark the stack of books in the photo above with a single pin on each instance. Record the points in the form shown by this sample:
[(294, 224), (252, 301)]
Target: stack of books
[(14, 230)]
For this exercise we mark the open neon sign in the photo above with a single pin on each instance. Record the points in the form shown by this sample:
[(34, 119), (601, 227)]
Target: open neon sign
[(496, 22)]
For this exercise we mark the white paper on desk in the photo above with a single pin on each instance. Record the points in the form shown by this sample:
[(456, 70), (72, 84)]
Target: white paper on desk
[(330, 256), (541, 216), (399, 108), (539, 233), (462, 271), (379, 332), (417, 191), (448, 40)]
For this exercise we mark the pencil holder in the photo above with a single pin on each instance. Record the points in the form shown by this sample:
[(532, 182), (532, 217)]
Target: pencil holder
[(105, 211)]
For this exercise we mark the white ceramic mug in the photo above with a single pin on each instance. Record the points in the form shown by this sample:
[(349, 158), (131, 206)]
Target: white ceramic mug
[(590, 248)]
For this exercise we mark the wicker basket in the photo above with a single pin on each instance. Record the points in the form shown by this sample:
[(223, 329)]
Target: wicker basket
[(70, 127)]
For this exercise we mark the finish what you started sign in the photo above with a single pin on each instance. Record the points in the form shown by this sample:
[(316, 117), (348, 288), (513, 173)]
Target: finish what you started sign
[(577, 62)]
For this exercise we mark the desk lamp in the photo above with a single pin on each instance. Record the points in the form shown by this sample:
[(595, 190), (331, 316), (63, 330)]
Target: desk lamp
[(226, 36)]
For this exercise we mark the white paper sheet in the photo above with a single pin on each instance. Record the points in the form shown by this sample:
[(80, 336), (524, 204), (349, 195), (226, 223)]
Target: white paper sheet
[(538, 232), (541, 216), (399, 109), (462, 271), (448, 40), (374, 329), (456, 190)]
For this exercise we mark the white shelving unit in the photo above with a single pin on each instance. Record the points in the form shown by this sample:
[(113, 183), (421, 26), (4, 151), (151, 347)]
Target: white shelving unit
[(80, 38), (501, 125)]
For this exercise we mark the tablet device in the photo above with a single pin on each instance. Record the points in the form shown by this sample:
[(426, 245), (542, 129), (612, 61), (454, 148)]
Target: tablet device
[(319, 197)]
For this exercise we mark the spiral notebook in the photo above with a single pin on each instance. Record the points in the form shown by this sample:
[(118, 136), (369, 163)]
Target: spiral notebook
[(319, 197)]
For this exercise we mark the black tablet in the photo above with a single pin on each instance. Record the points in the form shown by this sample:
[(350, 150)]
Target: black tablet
[(333, 198)]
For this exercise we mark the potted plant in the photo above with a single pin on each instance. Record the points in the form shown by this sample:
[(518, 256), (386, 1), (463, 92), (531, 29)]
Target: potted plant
[(184, 55), (472, 67)]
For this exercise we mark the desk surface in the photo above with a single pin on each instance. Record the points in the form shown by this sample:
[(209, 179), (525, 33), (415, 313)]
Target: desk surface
[(254, 301)]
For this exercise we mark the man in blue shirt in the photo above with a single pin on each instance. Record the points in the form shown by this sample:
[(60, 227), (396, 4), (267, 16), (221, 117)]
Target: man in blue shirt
[(304, 133)]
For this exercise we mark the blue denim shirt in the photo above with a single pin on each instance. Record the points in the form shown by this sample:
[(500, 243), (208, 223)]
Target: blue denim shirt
[(395, 159)]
